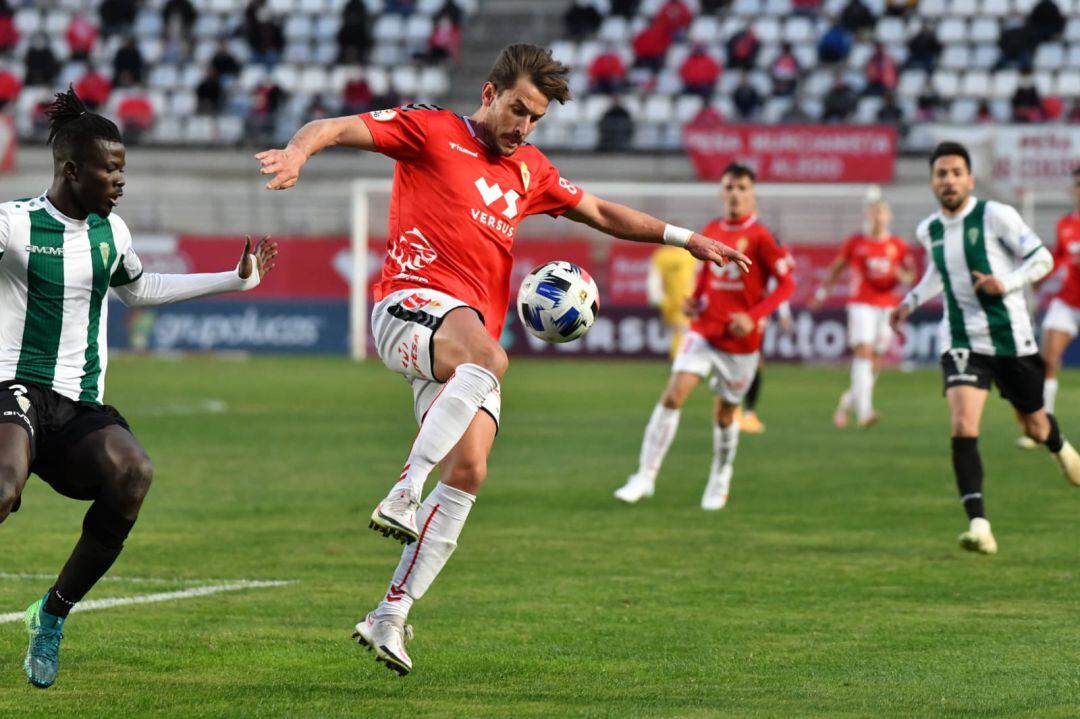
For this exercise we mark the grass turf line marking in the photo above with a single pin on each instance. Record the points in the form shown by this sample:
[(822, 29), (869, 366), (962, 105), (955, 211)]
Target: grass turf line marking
[(187, 582), (191, 593)]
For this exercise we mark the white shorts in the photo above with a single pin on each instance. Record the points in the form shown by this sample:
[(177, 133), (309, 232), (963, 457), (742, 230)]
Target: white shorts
[(730, 375), (1062, 316), (403, 324), (869, 325)]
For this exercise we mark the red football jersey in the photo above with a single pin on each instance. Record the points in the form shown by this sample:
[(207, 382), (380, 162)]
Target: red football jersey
[(874, 264), (455, 206), (727, 290), (1067, 254)]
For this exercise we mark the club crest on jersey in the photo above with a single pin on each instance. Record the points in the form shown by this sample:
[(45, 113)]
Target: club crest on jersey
[(525, 176), (383, 115), (973, 235), (103, 248)]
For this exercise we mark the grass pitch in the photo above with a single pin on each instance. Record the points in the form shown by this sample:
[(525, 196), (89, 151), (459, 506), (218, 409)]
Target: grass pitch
[(831, 585)]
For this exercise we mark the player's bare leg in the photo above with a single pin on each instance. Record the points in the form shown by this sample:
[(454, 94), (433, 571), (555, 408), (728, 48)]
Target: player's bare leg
[(965, 415), (725, 444), (471, 364), (1042, 427), (14, 466), (659, 433), (441, 518)]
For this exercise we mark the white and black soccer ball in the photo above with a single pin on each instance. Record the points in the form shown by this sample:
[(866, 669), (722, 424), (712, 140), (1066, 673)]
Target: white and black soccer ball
[(558, 302)]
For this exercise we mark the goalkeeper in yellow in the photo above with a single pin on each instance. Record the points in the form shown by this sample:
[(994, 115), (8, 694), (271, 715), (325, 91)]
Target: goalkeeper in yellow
[(672, 272)]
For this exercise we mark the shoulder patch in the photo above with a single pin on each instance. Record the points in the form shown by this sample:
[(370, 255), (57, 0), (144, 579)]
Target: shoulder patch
[(383, 115)]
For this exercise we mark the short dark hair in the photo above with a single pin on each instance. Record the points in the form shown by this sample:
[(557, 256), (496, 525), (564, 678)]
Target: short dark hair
[(536, 64), (72, 127), (949, 149), (737, 170)]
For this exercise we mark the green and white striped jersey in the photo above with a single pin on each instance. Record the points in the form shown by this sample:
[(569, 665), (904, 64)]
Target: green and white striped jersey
[(990, 238), (54, 275)]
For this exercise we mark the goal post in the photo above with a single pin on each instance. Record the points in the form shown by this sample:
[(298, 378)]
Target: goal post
[(796, 213)]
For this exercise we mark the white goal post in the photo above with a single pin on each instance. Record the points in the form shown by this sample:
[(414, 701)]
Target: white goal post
[(797, 214)]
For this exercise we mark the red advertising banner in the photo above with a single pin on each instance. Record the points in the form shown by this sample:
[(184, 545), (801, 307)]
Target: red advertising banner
[(792, 153)]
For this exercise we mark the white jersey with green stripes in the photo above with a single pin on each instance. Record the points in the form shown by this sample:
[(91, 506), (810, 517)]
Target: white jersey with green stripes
[(54, 275), (990, 238)]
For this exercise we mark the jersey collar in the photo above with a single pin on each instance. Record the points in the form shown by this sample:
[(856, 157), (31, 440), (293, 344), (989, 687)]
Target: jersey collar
[(968, 207), (738, 226), (60, 216)]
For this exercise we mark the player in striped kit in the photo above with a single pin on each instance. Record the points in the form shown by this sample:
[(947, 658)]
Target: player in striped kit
[(981, 255), (59, 255)]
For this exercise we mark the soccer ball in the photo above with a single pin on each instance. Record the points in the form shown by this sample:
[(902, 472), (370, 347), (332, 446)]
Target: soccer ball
[(558, 302)]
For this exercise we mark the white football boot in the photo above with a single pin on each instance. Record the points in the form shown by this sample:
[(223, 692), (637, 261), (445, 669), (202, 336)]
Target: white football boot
[(716, 491), (1025, 442), (1069, 461), (396, 517), (387, 636), (978, 538), (637, 487)]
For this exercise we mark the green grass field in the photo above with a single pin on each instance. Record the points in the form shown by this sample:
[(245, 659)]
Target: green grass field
[(831, 586)]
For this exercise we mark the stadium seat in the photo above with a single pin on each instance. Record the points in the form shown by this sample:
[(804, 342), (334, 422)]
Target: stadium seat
[(281, 7), (985, 30), (314, 80), (200, 130), (189, 76), (867, 109), (1005, 82), (28, 21), (151, 49), (251, 76), (614, 29), (230, 129), (1044, 82), (746, 8), (433, 83), (976, 83), (705, 28), (668, 82), (418, 30), (565, 51), (1073, 58), (1072, 30), (687, 106), (799, 30), (778, 8), (405, 79), (964, 8), (164, 76), (952, 30), (995, 8), (286, 76), (1068, 84), (56, 22), (208, 25), (946, 83), (658, 108), (890, 30), (646, 137), (594, 107), (963, 111), (860, 55), (932, 10), (388, 28), (767, 30), (955, 57), (181, 103), (298, 27), (1050, 56), (298, 52), (378, 79), (985, 56), (167, 129)]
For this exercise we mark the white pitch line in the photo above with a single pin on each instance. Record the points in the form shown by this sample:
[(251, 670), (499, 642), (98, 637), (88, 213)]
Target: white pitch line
[(129, 580), (161, 596)]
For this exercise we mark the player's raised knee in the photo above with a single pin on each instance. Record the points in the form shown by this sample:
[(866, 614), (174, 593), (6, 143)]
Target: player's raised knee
[(491, 357), (132, 474), (468, 476), (10, 477)]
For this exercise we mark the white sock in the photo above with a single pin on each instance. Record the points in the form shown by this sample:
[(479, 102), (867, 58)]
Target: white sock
[(659, 434), (440, 518), (446, 421), (845, 401), (725, 444), (862, 387), (1050, 388), (979, 525)]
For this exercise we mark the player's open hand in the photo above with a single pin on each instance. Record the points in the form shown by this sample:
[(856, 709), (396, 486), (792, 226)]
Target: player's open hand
[(987, 284), (710, 250), (284, 165), (898, 316), (265, 251)]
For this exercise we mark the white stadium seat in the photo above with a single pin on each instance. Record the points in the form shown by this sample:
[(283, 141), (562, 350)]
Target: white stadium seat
[(976, 83)]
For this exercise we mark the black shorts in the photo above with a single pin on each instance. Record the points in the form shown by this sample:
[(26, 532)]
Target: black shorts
[(1019, 379), (55, 424)]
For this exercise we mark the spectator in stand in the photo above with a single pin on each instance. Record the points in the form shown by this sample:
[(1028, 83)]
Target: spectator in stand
[(117, 16), (263, 33), (356, 97), (674, 18), (1026, 104), (128, 64), (81, 37), (399, 7), (581, 20), (928, 106), (746, 98), (650, 48), (224, 62), (835, 44), (839, 102), (40, 62), (714, 7), (209, 95), (616, 129), (857, 18), (742, 49), (784, 71), (445, 41), (1046, 21), (93, 88), (607, 72), (890, 113), (451, 10), (354, 37), (9, 34), (266, 101), (179, 18), (881, 73), (1073, 116), (983, 114), (806, 8), (625, 8), (1017, 42), (923, 49), (136, 115), (9, 86), (900, 8), (699, 72)]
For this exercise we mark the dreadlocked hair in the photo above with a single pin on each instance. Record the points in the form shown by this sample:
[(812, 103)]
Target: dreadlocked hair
[(72, 126)]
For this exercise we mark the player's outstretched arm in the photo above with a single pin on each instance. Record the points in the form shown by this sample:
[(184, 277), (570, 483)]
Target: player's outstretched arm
[(150, 289), (629, 224), (929, 287), (822, 292), (317, 135)]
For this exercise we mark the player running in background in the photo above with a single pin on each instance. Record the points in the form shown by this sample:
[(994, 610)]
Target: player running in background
[(729, 309), (981, 255), (461, 186), (879, 263), (59, 255), (670, 282)]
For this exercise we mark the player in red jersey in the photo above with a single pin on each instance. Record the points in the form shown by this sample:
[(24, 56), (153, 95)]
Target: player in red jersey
[(880, 263), (1062, 319), (729, 308), (461, 187)]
